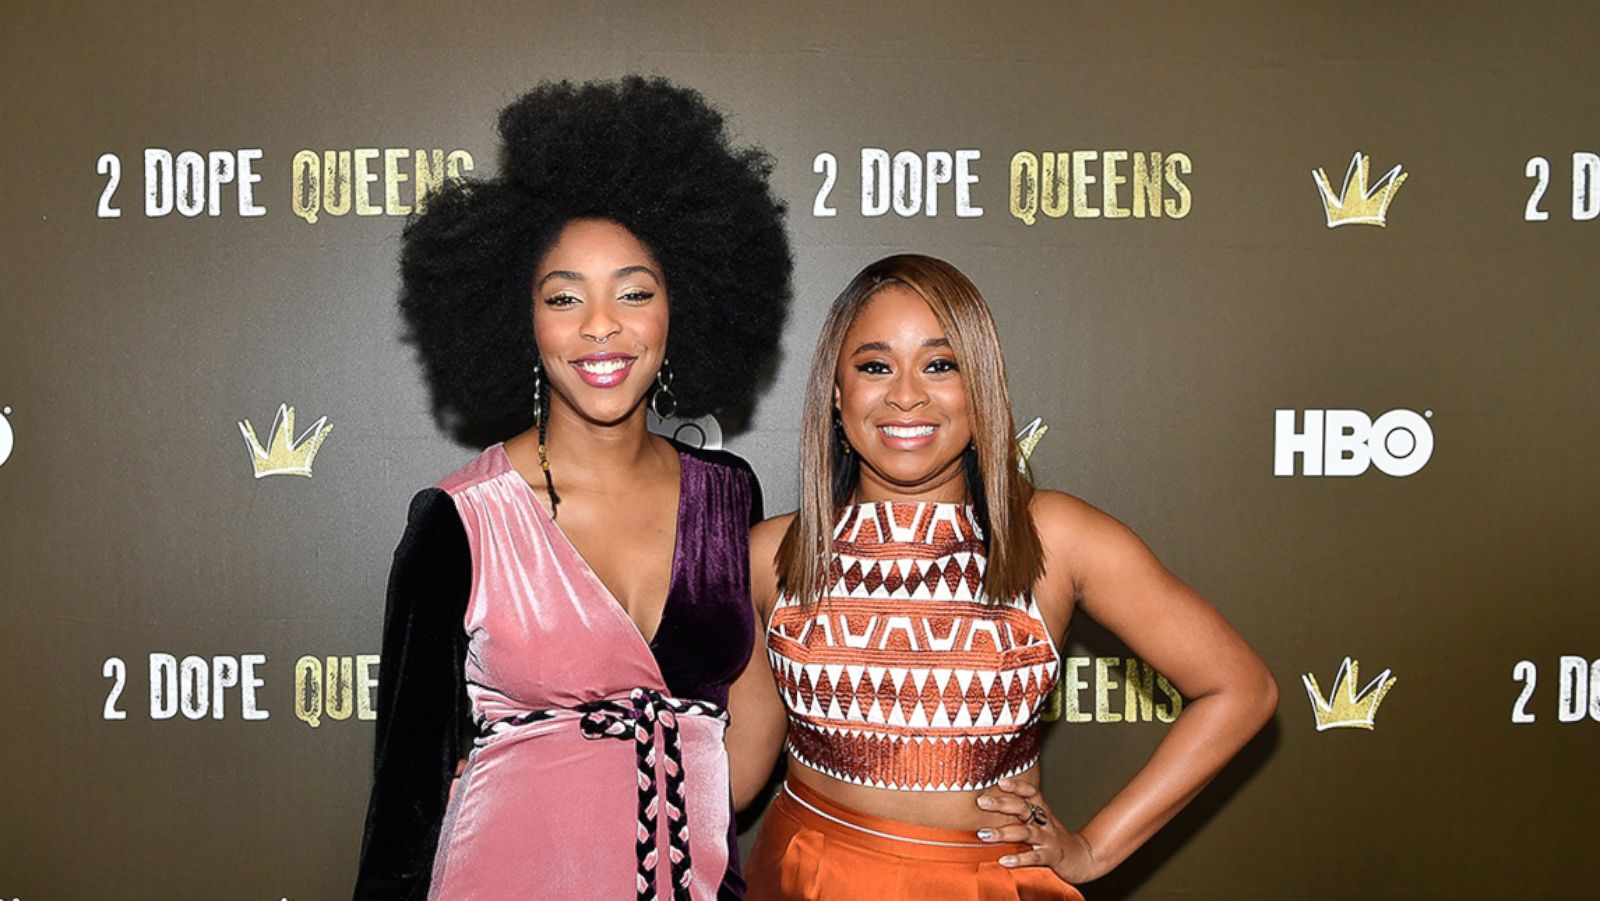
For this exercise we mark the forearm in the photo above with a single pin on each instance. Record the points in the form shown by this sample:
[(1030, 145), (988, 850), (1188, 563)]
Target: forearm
[(752, 753), (1207, 734)]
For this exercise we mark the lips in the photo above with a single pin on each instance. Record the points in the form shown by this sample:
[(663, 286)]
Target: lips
[(907, 435), (603, 370)]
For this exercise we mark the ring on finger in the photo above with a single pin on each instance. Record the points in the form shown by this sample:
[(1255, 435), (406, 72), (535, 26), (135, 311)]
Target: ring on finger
[(1037, 815)]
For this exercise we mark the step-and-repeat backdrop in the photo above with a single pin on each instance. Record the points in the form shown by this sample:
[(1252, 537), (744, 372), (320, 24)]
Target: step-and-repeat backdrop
[(1306, 294)]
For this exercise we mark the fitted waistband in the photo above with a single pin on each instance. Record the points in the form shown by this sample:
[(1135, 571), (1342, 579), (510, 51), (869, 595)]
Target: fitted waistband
[(884, 835)]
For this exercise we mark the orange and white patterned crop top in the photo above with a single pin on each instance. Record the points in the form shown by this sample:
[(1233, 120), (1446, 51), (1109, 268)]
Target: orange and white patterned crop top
[(903, 676)]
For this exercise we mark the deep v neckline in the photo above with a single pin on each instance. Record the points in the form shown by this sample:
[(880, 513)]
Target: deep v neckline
[(550, 523)]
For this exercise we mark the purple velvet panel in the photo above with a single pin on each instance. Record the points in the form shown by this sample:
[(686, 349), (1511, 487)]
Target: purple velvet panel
[(707, 627)]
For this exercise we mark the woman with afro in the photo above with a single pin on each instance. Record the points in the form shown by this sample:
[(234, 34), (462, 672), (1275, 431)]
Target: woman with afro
[(567, 611)]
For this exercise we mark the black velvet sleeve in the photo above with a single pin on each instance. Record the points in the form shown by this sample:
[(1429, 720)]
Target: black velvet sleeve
[(423, 711)]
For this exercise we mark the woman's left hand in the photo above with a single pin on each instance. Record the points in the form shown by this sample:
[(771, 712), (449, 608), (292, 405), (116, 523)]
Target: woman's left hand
[(1053, 845)]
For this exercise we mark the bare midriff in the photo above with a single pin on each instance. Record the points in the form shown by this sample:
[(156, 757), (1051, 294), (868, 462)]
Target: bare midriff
[(940, 809)]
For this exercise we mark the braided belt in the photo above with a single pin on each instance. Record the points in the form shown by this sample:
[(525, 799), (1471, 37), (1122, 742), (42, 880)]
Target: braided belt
[(637, 718)]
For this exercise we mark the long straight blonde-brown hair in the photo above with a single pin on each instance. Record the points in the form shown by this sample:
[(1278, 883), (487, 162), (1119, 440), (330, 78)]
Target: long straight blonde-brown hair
[(997, 487)]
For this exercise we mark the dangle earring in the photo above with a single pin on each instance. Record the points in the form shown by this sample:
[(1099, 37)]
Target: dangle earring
[(838, 432), (663, 389), (538, 393), (543, 421)]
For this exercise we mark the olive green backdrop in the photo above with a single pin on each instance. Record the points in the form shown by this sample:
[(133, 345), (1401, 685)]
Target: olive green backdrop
[(1156, 349)]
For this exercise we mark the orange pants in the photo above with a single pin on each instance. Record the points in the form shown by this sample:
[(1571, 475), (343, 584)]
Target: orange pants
[(804, 851)]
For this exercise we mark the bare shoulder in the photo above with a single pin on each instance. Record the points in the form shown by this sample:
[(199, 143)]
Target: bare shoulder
[(1078, 533), (1050, 506), (1061, 517), (765, 538), (767, 534)]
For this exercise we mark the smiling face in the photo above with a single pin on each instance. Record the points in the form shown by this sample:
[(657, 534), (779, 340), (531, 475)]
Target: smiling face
[(899, 393), (599, 320)]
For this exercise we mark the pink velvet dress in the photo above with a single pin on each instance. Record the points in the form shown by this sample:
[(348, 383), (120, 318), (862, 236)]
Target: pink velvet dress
[(591, 775)]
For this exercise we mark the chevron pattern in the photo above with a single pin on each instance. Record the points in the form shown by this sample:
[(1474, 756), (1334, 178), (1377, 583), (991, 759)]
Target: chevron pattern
[(904, 676)]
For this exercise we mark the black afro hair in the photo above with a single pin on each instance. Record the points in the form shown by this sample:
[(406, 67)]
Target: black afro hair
[(644, 153)]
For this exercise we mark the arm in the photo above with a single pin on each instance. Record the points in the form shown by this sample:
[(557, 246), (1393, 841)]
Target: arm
[(422, 703), (757, 720), (1097, 562)]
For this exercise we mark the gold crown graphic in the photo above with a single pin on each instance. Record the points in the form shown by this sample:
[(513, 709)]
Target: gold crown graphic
[(1346, 708), (283, 454), (1356, 203), (1028, 439)]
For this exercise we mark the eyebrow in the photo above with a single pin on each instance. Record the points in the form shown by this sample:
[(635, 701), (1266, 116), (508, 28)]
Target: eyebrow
[(885, 347), (571, 276)]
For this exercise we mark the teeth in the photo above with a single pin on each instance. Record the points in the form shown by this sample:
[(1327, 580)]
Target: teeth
[(895, 431), (603, 367)]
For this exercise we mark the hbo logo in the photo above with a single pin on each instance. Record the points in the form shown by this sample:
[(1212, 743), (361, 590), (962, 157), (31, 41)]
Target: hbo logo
[(1347, 442)]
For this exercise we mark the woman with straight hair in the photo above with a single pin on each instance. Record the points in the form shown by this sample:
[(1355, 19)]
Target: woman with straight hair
[(914, 609)]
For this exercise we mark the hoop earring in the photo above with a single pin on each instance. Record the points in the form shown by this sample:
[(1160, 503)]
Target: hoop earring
[(663, 389)]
